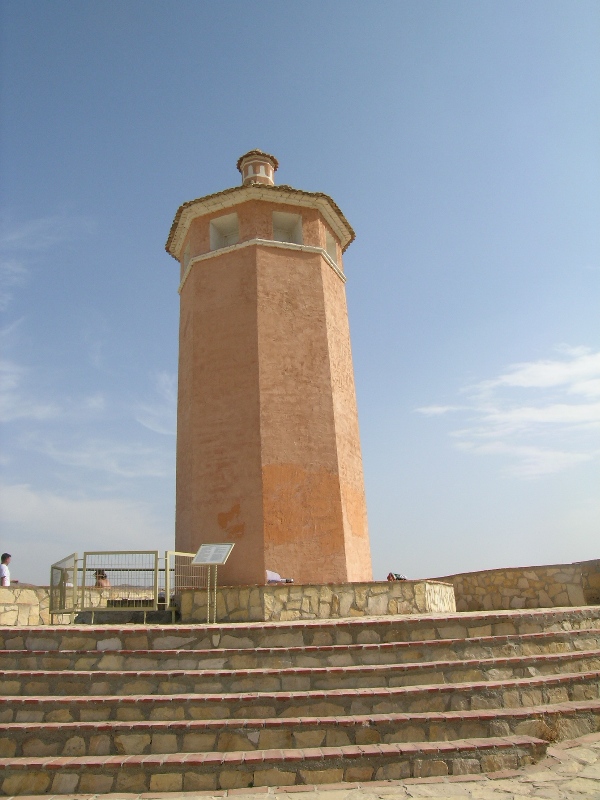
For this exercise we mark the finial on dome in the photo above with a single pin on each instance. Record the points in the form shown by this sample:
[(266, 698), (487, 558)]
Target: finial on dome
[(257, 167)]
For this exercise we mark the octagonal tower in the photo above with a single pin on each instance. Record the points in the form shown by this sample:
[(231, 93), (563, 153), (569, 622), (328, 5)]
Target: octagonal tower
[(268, 450)]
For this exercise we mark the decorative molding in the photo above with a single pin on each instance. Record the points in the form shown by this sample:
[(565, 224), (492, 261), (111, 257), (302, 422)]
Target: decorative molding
[(286, 195), (305, 248)]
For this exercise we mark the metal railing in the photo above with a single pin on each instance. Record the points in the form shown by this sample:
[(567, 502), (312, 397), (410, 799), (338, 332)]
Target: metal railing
[(122, 580)]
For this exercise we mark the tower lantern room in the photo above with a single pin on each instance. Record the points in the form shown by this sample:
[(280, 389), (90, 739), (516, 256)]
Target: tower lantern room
[(257, 167)]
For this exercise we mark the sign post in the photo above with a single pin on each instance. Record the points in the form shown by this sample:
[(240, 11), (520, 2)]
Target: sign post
[(212, 556)]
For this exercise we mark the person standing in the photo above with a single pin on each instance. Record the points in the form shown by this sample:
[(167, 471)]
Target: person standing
[(4, 570)]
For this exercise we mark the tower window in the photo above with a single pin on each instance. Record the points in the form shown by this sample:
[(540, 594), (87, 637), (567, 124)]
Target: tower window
[(224, 231), (287, 227), (331, 247)]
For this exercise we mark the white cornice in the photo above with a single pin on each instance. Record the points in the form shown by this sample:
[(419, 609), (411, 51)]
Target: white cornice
[(272, 194), (264, 243)]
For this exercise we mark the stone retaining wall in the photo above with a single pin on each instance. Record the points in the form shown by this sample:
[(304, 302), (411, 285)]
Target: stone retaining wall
[(590, 576), (27, 604), (328, 601), (23, 604), (523, 587)]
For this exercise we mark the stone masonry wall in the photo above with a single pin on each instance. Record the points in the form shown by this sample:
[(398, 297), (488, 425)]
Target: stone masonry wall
[(328, 601), (590, 576), (26, 604), (22, 604), (522, 587)]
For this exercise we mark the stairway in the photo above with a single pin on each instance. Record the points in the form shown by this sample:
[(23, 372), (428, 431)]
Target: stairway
[(132, 708)]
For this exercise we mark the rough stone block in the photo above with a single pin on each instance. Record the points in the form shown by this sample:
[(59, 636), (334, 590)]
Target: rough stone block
[(499, 728), (198, 742), (358, 774), (8, 747), (198, 782), (407, 733), (74, 746), (368, 636), (132, 744), (65, 783), (131, 782), (393, 772), (236, 779), (452, 632), (495, 762), (137, 641), (164, 743), (367, 736), (29, 715), (26, 783), (228, 742), (166, 782), (336, 738), (95, 784), (99, 745), (317, 776), (481, 630), (40, 748), (572, 728), (278, 738), (274, 777), (112, 643), (471, 729), (428, 768), (377, 605), (465, 766), (531, 697), (128, 714), (162, 713), (481, 701)]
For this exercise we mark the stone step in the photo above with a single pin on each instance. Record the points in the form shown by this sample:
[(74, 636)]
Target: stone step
[(522, 692), (71, 682), (178, 772), (550, 722), (306, 656), (363, 630)]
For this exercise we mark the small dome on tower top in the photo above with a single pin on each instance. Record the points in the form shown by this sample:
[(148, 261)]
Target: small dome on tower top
[(257, 167)]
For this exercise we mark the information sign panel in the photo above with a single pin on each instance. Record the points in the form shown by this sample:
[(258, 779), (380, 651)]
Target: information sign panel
[(212, 554)]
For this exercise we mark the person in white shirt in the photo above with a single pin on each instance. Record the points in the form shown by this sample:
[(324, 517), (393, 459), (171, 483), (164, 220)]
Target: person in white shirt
[(4, 570)]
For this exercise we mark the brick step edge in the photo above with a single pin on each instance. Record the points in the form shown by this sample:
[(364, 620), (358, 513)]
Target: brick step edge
[(310, 649), (309, 694), (464, 618), (551, 722), (480, 664), (200, 771)]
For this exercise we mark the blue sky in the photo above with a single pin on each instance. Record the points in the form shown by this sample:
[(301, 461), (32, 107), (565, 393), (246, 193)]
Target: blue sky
[(461, 141)]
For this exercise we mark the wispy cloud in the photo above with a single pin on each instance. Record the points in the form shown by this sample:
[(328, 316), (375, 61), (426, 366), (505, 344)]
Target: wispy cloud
[(14, 403), (543, 416), (12, 274), (116, 459), (43, 233), (159, 414), (22, 241), (574, 372)]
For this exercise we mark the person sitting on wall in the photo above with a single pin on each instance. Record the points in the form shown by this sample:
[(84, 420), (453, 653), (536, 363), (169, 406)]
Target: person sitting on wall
[(275, 577), (396, 576), (102, 581)]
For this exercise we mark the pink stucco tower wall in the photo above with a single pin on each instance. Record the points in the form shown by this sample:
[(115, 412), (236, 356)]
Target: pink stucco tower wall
[(268, 450)]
